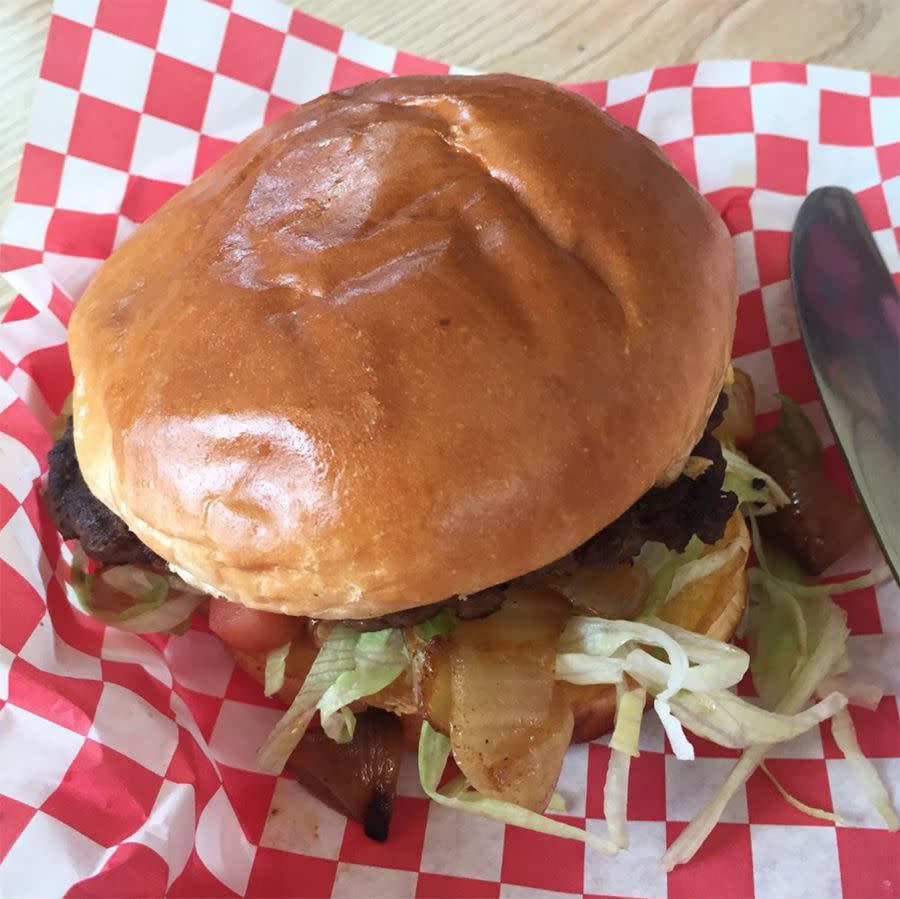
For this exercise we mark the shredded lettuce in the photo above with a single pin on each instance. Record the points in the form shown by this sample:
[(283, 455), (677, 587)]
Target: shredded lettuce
[(663, 577), (699, 569), (275, 662), (615, 798), (873, 578), (778, 637), (780, 564), (148, 587), (743, 489), (717, 665), (154, 611), (788, 619), (583, 668), (798, 638), (336, 657), (340, 726), (654, 555), (798, 804), (587, 632), (827, 651), (623, 747), (181, 629), (379, 659), (80, 579), (556, 804), (629, 714), (434, 751), (672, 572), (782, 620), (866, 773), (751, 484), (441, 625), (591, 634), (456, 785), (595, 650), (348, 667), (728, 720), (756, 541), (594, 636), (857, 692)]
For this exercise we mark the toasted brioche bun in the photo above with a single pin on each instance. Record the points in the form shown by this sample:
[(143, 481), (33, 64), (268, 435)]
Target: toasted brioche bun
[(408, 341), (712, 606)]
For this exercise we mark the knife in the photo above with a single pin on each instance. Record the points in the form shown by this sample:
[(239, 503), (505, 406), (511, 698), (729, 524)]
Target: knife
[(849, 314)]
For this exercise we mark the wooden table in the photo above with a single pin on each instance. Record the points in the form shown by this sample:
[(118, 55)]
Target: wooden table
[(561, 40)]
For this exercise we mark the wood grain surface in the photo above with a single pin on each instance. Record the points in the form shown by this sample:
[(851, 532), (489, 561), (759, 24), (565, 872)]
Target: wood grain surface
[(560, 40)]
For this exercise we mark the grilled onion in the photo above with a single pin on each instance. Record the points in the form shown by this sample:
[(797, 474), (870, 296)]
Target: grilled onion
[(821, 524), (510, 723), (431, 662), (359, 778), (618, 592)]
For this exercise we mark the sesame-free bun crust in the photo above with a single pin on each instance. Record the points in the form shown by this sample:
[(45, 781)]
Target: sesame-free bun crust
[(409, 340)]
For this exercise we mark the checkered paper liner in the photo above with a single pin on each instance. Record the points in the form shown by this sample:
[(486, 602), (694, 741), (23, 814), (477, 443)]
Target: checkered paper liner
[(128, 763)]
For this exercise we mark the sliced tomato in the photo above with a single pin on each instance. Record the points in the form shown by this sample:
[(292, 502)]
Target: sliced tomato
[(250, 629)]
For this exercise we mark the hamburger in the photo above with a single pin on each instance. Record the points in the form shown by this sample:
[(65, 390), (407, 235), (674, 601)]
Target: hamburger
[(414, 392)]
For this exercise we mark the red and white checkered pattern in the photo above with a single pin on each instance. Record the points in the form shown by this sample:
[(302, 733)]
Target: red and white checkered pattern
[(129, 761)]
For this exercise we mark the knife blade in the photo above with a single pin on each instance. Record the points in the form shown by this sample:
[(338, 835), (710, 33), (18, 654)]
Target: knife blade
[(849, 314)]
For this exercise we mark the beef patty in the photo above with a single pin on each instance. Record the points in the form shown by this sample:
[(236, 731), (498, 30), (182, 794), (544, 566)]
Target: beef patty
[(80, 515), (670, 515)]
